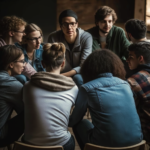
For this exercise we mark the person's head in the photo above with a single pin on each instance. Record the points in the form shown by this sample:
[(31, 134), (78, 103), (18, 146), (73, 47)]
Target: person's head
[(135, 29), (54, 56), (105, 17), (68, 21), (102, 61), (12, 26), (11, 59), (33, 37), (139, 53)]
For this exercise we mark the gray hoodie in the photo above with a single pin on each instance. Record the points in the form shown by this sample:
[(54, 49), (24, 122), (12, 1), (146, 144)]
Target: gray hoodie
[(81, 49), (48, 99)]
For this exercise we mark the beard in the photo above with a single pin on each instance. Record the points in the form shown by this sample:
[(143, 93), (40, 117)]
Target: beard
[(103, 31)]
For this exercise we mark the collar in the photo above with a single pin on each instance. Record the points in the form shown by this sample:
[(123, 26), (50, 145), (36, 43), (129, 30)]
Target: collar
[(145, 67), (76, 43), (105, 75)]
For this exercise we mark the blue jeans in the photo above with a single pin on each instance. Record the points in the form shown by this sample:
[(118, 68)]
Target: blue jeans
[(81, 132), (21, 78), (77, 78), (70, 145)]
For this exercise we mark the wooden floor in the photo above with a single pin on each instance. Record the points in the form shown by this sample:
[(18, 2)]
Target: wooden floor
[(87, 116)]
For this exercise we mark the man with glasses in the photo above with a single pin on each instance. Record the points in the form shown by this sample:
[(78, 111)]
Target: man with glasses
[(78, 42)]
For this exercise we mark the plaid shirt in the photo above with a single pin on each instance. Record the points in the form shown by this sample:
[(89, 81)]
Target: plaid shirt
[(140, 84)]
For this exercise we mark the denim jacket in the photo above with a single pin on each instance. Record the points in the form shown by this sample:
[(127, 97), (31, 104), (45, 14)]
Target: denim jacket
[(37, 65), (113, 112)]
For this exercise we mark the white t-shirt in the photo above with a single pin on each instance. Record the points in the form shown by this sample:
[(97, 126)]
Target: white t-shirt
[(47, 115)]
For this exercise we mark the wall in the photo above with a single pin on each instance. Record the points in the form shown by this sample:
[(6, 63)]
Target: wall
[(40, 12)]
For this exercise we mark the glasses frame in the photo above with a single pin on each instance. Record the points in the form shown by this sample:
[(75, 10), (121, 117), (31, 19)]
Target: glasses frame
[(71, 24), (21, 61), (36, 39)]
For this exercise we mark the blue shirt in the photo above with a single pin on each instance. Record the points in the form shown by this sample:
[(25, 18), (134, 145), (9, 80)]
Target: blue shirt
[(37, 65), (113, 112)]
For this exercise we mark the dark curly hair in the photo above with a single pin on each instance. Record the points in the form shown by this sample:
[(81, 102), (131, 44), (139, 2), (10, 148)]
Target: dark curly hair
[(102, 61)]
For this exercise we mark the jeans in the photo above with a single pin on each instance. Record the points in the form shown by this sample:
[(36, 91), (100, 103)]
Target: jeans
[(12, 130), (21, 78), (70, 145), (81, 132), (78, 80)]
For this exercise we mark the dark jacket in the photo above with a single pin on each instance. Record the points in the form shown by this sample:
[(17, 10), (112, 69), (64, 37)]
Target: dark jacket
[(116, 41)]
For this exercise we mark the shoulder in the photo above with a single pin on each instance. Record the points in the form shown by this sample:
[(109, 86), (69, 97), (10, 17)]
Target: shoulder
[(84, 35), (55, 34), (105, 82), (117, 29)]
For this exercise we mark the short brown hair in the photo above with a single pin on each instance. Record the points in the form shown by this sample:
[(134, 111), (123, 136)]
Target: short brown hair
[(102, 61), (102, 12), (10, 23), (8, 54), (53, 55)]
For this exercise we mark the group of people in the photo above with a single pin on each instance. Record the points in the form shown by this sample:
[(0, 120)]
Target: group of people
[(98, 69)]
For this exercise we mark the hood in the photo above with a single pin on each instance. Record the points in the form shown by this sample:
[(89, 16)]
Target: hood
[(52, 82), (145, 67)]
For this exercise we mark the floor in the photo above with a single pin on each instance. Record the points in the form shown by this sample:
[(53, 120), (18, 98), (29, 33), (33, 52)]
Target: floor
[(87, 116)]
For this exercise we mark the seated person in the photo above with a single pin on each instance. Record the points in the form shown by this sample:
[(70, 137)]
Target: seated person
[(115, 122), (78, 43), (31, 46), (12, 31), (48, 98), (11, 63), (106, 35), (139, 61)]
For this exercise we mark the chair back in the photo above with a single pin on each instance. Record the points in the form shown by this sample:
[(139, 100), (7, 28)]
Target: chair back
[(139, 146), (23, 146)]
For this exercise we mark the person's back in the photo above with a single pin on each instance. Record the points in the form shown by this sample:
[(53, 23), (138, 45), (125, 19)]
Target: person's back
[(113, 112), (115, 122), (48, 98), (47, 112)]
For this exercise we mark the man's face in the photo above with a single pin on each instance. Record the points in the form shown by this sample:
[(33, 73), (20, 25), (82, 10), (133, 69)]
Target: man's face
[(106, 24), (69, 26), (132, 60)]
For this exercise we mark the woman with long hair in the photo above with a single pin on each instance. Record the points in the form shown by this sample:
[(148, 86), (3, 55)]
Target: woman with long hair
[(48, 98), (31, 46), (11, 63), (115, 122)]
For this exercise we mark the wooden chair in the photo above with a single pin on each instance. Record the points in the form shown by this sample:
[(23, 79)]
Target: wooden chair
[(139, 146), (23, 146)]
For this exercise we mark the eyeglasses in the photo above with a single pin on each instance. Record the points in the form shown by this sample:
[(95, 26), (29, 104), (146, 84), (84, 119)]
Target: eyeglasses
[(35, 39), (21, 61), (72, 24), (19, 31)]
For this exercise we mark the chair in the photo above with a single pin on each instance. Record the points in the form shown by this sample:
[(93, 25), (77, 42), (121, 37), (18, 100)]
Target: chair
[(23, 146), (139, 146)]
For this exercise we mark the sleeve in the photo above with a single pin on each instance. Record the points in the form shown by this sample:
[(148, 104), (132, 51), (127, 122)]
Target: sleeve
[(14, 96), (125, 44), (80, 108), (86, 51)]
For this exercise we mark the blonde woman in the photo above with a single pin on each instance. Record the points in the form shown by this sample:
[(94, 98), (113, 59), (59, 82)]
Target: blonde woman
[(31, 46), (48, 98)]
